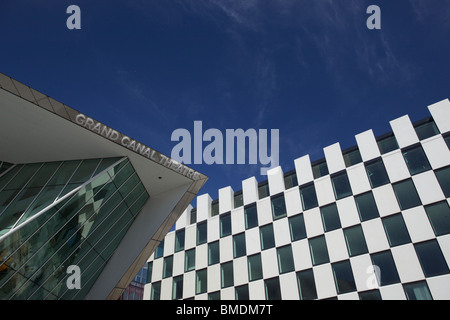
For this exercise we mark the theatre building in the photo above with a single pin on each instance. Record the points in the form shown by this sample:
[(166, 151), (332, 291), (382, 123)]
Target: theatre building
[(82, 206), (368, 222)]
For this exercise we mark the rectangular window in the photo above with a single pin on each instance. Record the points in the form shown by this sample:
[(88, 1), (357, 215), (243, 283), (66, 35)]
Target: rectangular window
[(396, 230), (388, 271), (352, 157), (179, 240), (431, 258), (241, 292), (308, 196), (167, 267), (426, 130), (214, 295), (343, 277), (406, 194), (238, 200), (272, 289), (159, 252), (239, 247), (320, 169), (341, 185), (447, 140), (201, 281), (319, 251), (416, 160), (263, 190), (330, 217), (370, 295), (439, 215), (417, 291), (189, 260), (155, 293), (290, 181), (267, 237), (193, 217), (285, 259), (225, 224), (354, 238), (306, 285), (251, 216), (213, 253), (377, 174), (367, 208), (226, 273), (278, 207), (177, 288), (297, 227), (443, 176), (254, 267), (387, 144), (149, 271), (214, 208), (202, 233)]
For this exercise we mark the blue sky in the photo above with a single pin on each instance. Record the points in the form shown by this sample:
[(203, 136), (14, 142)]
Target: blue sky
[(311, 69)]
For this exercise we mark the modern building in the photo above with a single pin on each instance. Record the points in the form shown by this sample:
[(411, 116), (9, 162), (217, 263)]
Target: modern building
[(368, 222), (82, 206)]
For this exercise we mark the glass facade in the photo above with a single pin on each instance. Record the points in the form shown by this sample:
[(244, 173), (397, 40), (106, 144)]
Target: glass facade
[(57, 214)]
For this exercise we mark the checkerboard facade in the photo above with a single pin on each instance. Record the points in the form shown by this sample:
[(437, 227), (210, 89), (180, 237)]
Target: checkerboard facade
[(369, 222)]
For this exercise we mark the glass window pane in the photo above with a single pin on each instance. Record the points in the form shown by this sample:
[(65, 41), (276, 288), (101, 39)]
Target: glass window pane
[(387, 144), (388, 271), (159, 252), (167, 267), (189, 260), (156, 291), (179, 240), (306, 285), (320, 169), (356, 243), (352, 157), (447, 140), (308, 196), (193, 216), (239, 247), (213, 253), (149, 272), (406, 194), (377, 173), (226, 274), (417, 291), (427, 130), (278, 207), (201, 281), (251, 216), (225, 225), (241, 292), (396, 230), (439, 215), (416, 160), (443, 176), (177, 288), (285, 259), (370, 295), (202, 233), (238, 200), (263, 191), (290, 181), (431, 258), (267, 237), (214, 209), (367, 207), (343, 277), (330, 217), (254, 267), (319, 251), (272, 289), (214, 295), (297, 227), (341, 186)]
